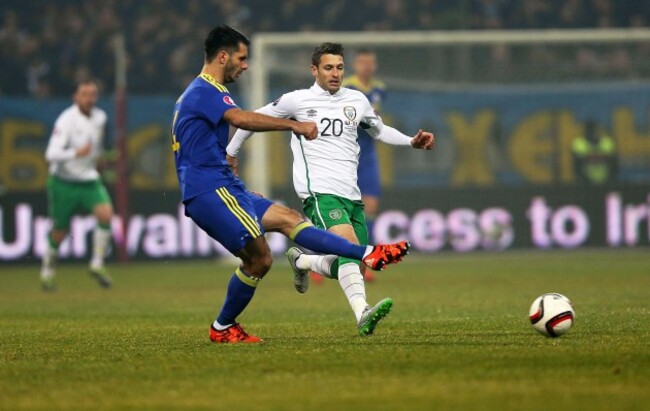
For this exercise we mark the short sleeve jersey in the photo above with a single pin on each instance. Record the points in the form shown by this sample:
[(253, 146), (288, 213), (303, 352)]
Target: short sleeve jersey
[(200, 137), (328, 164)]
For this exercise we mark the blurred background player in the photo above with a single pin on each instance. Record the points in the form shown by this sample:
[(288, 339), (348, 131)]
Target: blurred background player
[(363, 80), (325, 172), (74, 184)]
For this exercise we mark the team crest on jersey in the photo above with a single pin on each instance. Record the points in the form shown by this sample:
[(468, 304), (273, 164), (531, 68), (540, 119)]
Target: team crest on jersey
[(350, 112), (228, 100), (311, 112), (336, 214)]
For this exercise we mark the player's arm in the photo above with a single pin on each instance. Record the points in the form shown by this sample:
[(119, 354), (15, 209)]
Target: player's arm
[(242, 134), (279, 110), (373, 124), (252, 121), (58, 147)]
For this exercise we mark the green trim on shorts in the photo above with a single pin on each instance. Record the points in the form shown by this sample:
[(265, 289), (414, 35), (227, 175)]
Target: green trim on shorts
[(67, 198), (328, 210)]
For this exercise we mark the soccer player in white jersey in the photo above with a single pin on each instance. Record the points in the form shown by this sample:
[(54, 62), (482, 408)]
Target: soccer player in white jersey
[(325, 172), (74, 184)]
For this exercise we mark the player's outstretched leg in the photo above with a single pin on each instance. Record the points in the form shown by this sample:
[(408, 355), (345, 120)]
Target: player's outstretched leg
[(324, 242), (372, 315)]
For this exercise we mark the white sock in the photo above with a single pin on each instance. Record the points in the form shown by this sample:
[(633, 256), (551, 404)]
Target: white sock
[(48, 262), (219, 327), (351, 282), (101, 238), (369, 249), (320, 264)]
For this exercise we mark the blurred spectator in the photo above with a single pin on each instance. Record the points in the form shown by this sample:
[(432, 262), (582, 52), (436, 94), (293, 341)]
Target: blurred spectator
[(45, 45)]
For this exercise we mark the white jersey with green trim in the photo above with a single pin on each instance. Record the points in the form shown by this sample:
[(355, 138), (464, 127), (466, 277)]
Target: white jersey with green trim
[(73, 130), (327, 164)]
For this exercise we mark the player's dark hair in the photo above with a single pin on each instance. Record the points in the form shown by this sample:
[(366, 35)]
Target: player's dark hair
[(326, 48), (223, 38), (84, 82), (365, 50)]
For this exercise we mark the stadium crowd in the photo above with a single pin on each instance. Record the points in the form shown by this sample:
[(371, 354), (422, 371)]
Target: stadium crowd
[(46, 46)]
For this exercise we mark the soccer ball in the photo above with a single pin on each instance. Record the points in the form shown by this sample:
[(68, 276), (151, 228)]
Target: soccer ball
[(551, 314)]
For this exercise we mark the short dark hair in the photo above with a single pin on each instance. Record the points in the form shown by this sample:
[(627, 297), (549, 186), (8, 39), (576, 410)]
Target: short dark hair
[(365, 50), (223, 38), (326, 48), (85, 82)]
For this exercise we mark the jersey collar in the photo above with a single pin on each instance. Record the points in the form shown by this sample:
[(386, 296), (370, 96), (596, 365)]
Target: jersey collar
[(211, 80), (81, 113), (322, 92)]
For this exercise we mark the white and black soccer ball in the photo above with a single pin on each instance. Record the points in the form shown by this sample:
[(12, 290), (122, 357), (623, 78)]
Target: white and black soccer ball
[(552, 314)]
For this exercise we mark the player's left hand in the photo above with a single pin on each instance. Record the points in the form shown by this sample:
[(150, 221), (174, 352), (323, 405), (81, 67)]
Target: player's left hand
[(233, 163), (423, 140)]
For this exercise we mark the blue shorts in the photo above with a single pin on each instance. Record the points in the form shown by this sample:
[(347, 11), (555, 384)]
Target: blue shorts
[(230, 214), (368, 171)]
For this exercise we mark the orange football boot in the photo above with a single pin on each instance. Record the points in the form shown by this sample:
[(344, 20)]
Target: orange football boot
[(384, 254), (233, 334)]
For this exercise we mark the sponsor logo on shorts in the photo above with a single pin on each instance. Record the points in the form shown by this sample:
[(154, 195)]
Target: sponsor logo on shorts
[(275, 103), (311, 112), (336, 214)]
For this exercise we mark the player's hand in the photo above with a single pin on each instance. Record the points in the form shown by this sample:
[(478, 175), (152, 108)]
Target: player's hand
[(233, 163), (307, 129), (85, 150), (423, 140)]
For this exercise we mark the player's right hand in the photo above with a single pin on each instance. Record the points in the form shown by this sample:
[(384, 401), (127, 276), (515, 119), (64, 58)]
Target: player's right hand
[(308, 129), (85, 150)]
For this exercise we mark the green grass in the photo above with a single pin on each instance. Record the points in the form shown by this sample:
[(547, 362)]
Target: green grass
[(458, 338)]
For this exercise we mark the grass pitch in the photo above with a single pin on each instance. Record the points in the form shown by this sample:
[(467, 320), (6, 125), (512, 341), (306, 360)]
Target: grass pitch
[(458, 338)]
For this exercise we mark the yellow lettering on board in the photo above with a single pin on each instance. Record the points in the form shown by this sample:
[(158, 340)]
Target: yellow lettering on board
[(15, 160), (568, 128), (630, 143), (531, 147), (471, 137), (138, 144)]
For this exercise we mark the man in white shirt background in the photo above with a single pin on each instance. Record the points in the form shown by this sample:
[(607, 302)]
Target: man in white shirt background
[(74, 184), (325, 172)]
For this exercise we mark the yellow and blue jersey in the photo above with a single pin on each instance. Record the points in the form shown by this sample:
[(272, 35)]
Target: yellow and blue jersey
[(200, 137), (375, 91)]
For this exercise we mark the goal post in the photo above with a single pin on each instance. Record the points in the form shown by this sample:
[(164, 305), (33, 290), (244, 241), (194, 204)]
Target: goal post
[(441, 61), (121, 183)]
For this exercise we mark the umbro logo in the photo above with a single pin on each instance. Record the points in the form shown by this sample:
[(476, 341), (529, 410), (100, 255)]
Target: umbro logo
[(311, 112)]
